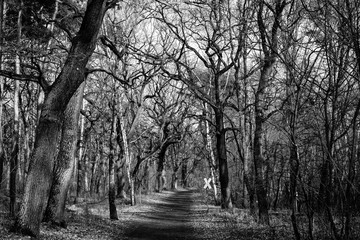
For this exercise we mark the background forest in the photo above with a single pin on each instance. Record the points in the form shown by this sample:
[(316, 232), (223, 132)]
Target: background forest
[(261, 96)]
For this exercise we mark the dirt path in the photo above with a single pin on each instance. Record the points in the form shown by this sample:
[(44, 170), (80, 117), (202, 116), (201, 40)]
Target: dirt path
[(169, 218), (184, 214)]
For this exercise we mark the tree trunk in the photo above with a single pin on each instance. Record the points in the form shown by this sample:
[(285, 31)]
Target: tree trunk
[(2, 158), (212, 163), (121, 182), (27, 145), (132, 192), (127, 158), (259, 163), (81, 154), (325, 182), (147, 177), (79, 179), (174, 181), (325, 188), (184, 172), (251, 191), (294, 171), (14, 161), (349, 192), (112, 189), (120, 164), (112, 149), (65, 162), (269, 44), (222, 158), (49, 128), (161, 178)]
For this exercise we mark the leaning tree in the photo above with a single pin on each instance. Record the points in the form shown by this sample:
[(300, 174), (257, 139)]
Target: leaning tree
[(48, 129)]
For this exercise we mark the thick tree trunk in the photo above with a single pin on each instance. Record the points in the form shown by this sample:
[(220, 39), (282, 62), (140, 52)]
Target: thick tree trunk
[(222, 158), (166, 143), (49, 128), (65, 163), (259, 162)]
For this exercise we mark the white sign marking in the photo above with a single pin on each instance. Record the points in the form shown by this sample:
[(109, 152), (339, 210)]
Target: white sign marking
[(207, 183)]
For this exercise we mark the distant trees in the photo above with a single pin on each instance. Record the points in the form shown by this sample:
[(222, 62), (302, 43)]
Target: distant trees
[(261, 96), (217, 33), (168, 110)]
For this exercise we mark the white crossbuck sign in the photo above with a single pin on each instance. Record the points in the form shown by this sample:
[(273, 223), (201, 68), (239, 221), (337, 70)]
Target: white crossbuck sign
[(207, 183)]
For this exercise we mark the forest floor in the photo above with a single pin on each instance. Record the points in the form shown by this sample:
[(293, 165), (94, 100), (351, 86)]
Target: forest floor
[(183, 214)]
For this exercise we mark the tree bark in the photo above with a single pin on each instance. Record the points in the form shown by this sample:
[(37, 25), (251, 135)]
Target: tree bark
[(212, 163), (49, 128), (2, 159), (83, 137), (127, 158), (121, 182), (112, 186), (14, 161), (166, 142), (120, 171), (259, 161), (222, 158), (294, 172), (174, 181), (349, 192), (184, 172), (161, 178), (112, 189), (65, 163), (269, 47)]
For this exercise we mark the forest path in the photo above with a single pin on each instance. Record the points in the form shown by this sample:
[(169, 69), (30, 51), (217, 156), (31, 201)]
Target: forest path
[(168, 218), (169, 215)]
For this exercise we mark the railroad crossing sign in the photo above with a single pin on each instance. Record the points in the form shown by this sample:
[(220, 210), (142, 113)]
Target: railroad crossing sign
[(207, 183)]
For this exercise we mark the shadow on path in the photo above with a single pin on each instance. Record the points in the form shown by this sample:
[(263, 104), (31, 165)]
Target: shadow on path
[(170, 218)]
